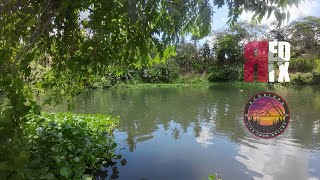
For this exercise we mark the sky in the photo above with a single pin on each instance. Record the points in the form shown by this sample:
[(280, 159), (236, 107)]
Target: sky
[(306, 8)]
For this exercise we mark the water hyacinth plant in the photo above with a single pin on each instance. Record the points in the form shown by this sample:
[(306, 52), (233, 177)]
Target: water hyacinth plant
[(65, 145)]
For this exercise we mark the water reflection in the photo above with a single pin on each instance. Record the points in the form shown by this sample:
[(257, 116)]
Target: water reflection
[(187, 133), (279, 159)]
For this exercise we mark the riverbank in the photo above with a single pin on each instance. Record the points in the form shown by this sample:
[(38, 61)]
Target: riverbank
[(188, 80), (172, 85)]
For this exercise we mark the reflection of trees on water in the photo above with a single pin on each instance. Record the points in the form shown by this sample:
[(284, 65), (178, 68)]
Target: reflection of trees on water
[(142, 111), (304, 105)]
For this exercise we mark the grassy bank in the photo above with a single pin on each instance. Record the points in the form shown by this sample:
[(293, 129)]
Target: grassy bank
[(192, 80), (172, 85)]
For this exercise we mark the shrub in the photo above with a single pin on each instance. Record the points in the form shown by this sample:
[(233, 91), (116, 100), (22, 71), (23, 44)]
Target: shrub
[(225, 73), (160, 73), (303, 78), (65, 146), (191, 79), (302, 64), (216, 74), (199, 66), (317, 65), (316, 76)]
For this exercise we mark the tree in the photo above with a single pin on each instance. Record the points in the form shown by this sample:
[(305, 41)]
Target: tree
[(278, 33), (305, 34), (206, 52), (247, 32), (229, 43), (82, 40), (227, 49), (86, 39), (185, 57)]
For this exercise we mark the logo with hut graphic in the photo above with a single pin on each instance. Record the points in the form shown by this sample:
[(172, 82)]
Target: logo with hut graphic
[(266, 115)]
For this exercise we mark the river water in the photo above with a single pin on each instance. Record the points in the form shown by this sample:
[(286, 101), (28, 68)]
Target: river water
[(190, 132)]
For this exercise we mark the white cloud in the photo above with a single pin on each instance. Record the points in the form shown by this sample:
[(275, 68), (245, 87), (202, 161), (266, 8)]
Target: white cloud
[(206, 135)]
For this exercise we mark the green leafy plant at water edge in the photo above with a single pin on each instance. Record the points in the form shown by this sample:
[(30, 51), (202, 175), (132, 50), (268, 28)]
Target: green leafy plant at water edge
[(65, 145), (213, 177)]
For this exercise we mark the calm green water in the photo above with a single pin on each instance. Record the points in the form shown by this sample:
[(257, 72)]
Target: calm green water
[(187, 133)]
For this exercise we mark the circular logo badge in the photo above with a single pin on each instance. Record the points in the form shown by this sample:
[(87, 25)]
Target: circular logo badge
[(266, 115)]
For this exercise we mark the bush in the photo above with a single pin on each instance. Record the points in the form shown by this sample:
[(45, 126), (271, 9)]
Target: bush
[(160, 73), (302, 64), (191, 79), (199, 66), (226, 73), (316, 76), (303, 78), (65, 146)]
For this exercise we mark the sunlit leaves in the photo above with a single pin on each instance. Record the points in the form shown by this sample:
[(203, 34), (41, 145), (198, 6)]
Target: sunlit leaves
[(93, 38), (82, 40), (261, 9), (67, 145), (304, 34), (65, 172)]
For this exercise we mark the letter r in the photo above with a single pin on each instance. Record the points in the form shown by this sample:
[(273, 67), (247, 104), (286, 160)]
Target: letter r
[(256, 53)]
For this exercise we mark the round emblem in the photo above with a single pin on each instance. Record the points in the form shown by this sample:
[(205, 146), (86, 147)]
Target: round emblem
[(266, 115)]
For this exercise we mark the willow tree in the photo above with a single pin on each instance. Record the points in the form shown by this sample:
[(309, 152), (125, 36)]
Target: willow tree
[(83, 39)]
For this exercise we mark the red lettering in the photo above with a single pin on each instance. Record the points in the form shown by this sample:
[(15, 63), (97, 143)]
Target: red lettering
[(256, 53)]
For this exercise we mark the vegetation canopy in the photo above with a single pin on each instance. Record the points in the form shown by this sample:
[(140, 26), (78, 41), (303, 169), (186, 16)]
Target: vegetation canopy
[(57, 47), (81, 40)]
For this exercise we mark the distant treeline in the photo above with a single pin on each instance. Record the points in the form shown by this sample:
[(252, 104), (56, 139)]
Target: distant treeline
[(221, 58)]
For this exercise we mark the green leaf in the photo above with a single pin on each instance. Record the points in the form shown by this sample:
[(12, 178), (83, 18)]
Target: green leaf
[(78, 171), (114, 145), (119, 156), (44, 169), (76, 159), (31, 22), (4, 165), (123, 162), (211, 177), (86, 177), (278, 15), (50, 176), (56, 148), (65, 172)]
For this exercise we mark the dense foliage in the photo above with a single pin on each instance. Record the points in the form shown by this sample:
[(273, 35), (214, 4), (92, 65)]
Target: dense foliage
[(223, 60), (228, 49), (63, 146), (81, 40), (78, 42), (304, 36)]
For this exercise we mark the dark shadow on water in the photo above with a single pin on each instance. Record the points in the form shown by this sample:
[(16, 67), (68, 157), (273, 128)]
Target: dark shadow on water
[(110, 169)]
